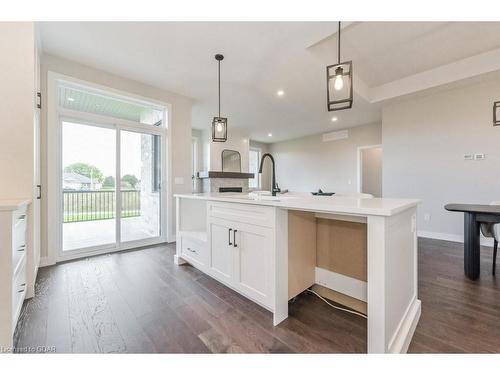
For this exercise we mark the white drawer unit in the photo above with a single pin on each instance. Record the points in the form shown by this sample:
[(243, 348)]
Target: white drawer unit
[(194, 250), (18, 292), (242, 213), (13, 266)]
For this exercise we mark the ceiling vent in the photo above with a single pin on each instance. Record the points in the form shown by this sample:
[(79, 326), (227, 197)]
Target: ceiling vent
[(335, 136)]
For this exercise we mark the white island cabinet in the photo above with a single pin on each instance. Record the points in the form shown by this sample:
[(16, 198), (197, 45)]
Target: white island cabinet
[(241, 248), (269, 250)]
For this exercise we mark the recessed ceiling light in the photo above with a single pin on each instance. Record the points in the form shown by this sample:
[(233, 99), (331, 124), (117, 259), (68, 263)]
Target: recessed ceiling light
[(280, 93), (269, 134), (334, 119), (70, 99)]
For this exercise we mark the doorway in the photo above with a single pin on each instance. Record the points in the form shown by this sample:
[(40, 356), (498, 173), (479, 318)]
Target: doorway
[(109, 190), (370, 170), (111, 193)]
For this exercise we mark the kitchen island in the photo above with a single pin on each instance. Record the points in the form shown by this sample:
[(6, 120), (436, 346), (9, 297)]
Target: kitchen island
[(270, 249)]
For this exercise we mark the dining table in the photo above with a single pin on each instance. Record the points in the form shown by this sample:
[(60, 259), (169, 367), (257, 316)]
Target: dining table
[(474, 215)]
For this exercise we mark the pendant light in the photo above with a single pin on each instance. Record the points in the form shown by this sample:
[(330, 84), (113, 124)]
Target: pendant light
[(219, 124), (339, 83)]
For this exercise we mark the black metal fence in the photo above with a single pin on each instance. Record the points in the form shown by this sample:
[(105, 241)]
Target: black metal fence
[(88, 205)]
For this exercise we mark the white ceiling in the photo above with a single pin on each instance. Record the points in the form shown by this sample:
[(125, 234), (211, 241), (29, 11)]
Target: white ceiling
[(261, 58)]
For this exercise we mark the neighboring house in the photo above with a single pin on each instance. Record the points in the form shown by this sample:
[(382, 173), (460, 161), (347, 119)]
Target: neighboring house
[(76, 181)]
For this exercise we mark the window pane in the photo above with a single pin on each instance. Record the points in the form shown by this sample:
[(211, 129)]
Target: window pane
[(83, 100), (254, 159), (88, 183), (140, 198)]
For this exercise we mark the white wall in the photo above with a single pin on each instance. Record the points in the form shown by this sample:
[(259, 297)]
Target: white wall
[(307, 164), (266, 177), (198, 134), (235, 141), (371, 171), (424, 140), (17, 89), (211, 152), (180, 123)]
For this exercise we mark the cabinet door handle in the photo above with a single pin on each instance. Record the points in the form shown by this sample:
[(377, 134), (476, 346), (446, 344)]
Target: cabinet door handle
[(229, 239), (191, 250), (234, 238)]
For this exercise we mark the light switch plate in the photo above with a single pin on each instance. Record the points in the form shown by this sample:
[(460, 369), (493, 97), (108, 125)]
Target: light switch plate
[(468, 157), (179, 180), (479, 156)]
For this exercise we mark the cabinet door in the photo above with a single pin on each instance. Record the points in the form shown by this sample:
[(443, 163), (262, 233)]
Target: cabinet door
[(254, 262), (221, 252)]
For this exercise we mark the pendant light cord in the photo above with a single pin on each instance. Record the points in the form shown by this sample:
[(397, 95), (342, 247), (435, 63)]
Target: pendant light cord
[(338, 45)]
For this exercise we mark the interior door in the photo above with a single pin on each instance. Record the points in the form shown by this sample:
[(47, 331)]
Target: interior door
[(222, 251), (253, 247)]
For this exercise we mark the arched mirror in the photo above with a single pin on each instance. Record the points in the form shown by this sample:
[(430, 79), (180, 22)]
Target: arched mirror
[(231, 161)]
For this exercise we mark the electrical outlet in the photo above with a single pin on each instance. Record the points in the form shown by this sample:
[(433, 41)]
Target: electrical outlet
[(427, 217), (349, 182)]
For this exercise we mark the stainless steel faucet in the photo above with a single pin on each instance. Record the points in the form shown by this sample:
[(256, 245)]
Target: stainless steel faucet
[(274, 189)]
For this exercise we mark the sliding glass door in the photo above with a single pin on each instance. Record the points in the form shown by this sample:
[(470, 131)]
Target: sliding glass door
[(140, 176), (111, 187), (88, 186)]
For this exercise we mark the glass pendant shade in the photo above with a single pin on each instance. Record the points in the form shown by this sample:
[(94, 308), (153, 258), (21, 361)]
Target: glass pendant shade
[(496, 113), (339, 86), (219, 129)]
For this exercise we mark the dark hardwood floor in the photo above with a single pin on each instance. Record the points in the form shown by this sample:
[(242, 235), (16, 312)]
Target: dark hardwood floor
[(139, 301)]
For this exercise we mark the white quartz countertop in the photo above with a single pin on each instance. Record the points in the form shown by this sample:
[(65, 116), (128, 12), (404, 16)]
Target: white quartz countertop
[(341, 204), (13, 204)]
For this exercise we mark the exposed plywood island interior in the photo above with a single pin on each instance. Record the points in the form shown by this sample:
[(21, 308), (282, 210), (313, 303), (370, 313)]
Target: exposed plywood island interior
[(361, 253), (324, 247)]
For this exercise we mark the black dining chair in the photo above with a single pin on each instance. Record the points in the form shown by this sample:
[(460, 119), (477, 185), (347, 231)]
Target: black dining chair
[(493, 231)]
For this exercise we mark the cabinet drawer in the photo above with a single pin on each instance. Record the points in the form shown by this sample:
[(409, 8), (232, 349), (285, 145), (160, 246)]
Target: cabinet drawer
[(242, 213), (194, 250), (18, 292), (19, 219)]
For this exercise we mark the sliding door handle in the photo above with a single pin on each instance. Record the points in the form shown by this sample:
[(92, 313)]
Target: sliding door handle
[(234, 238), (39, 193), (229, 239)]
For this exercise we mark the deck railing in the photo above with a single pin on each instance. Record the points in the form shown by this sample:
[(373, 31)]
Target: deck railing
[(88, 205)]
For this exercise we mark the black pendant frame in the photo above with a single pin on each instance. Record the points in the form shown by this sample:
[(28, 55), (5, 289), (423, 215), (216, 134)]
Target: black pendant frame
[(334, 103), (338, 100), (216, 135), (218, 120), (496, 113)]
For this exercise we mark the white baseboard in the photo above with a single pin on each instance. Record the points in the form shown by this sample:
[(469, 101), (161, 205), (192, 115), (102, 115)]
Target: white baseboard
[(404, 333), (44, 262), (452, 237), (344, 284)]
